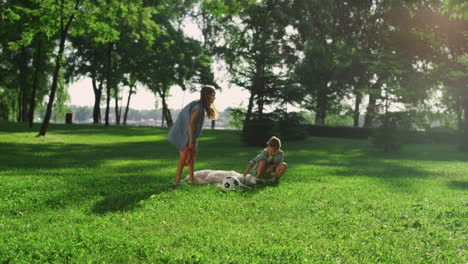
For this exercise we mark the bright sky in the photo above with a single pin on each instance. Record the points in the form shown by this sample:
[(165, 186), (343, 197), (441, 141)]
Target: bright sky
[(81, 94)]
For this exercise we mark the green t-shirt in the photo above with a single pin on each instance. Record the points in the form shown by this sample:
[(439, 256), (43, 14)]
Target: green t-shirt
[(277, 158)]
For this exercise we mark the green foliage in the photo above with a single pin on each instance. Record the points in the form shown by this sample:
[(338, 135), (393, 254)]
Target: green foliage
[(456, 9), (258, 130), (7, 14), (253, 44), (8, 108), (333, 39), (388, 136), (339, 131), (237, 117), (438, 136), (434, 135), (61, 107), (99, 195), (290, 125), (339, 120), (336, 50), (285, 125)]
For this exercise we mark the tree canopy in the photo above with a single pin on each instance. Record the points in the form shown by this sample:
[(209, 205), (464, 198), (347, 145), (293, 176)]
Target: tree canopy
[(331, 57)]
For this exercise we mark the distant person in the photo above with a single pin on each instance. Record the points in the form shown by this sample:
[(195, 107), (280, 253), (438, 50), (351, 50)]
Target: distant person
[(188, 127), (269, 163)]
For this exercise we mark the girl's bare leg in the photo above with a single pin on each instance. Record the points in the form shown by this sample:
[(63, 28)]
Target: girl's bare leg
[(191, 167), (180, 168)]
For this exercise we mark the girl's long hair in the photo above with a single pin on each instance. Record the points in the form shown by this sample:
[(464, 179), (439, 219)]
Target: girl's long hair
[(210, 109)]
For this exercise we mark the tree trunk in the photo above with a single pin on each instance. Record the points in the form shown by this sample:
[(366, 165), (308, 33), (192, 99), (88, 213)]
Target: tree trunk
[(53, 90), (109, 81), (25, 113), (23, 82), (248, 115), (128, 106), (116, 99), (213, 124), (260, 82), (37, 70), (357, 105), (166, 112), (321, 112), (320, 116), (459, 112), (260, 106), (19, 100), (120, 109), (97, 101), (371, 111), (168, 117), (464, 134), (58, 59), (162, 117)]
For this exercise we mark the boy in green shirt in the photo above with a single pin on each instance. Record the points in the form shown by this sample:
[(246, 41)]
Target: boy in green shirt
[(269, 163)]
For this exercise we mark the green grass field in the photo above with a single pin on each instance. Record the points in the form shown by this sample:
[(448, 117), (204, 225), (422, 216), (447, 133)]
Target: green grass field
[(90, 194)]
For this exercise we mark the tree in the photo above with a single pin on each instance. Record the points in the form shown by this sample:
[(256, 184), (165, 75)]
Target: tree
[(47, 15), (450, 45), (174, 60), (315, 73), (107, 62), (131, 83), (329, 36), (23, 67), (211, 28), (87, 58), (253, 41), (66, 15), (59, 18)]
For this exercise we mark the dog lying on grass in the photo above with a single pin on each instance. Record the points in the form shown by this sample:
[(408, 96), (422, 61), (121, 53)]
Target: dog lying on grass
[(217, 176)]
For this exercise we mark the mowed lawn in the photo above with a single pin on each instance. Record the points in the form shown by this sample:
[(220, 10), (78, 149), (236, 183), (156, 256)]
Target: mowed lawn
[(90, 194)]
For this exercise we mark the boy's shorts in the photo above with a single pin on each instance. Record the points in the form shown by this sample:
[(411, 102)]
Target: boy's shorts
[(269, 175)]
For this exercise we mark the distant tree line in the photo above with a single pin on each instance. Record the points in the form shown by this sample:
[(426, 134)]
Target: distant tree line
[(84, 114), (311, 53)]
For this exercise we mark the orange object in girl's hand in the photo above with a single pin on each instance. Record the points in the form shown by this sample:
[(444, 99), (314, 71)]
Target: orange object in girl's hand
[(187, 151)]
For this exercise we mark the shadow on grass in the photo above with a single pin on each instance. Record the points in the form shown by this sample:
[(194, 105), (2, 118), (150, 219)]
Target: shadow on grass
[(119, 175), (113, 130), (81, 129), (357, 158), (460, 185), (125, 199), (59, 155)]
